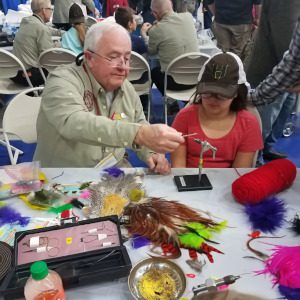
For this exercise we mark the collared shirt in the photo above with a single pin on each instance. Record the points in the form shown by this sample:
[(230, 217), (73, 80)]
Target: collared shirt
[(33, 37), (75, 128), (285, 75)]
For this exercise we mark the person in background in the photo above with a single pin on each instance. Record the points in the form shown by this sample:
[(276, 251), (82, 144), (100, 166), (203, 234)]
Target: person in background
[(218, 115), (73, 39), (112, 5), (34, 37), (172, 35), (233, 23), (126, 18), (90, 113), (285, 75), (61, 12), (277, 23)]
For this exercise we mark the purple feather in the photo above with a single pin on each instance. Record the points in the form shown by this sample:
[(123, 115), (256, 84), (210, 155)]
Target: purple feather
[(267, 215), (289, 293), (11, 216), (114, 171), (139, 241)]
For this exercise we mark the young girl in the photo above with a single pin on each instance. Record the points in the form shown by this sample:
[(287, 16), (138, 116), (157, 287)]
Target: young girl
[(218, 116)]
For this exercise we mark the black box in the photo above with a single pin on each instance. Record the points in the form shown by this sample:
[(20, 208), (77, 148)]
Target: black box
[(82, 253)]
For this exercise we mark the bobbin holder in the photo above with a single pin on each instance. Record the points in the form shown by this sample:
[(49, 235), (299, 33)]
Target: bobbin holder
[(84, 252)]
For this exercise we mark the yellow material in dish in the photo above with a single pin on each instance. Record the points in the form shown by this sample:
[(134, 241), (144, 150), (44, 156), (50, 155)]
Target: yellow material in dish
[(157, 285), (113, 204)]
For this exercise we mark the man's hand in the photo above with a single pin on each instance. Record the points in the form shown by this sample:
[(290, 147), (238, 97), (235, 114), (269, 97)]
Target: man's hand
[(295, 89), (159, 164), (145, 28), (159, 138)]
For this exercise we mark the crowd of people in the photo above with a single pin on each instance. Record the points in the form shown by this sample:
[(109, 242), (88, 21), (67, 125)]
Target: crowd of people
[(91, 113)]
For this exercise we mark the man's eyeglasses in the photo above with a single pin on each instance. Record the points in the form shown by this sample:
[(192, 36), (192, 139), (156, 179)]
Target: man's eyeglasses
[(213, 95), (115, 61), (49, 8)]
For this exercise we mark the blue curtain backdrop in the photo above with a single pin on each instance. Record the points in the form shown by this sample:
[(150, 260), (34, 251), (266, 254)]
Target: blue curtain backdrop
[(11, 4)]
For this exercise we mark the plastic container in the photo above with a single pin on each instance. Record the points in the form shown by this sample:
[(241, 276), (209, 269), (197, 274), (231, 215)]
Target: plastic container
[(43, 284)]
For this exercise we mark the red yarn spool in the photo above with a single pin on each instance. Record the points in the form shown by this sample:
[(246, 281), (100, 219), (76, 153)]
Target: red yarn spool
[(265, 181)]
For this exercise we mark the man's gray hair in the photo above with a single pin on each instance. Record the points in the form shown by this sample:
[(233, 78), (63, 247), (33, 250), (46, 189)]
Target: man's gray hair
[(97, 31), (37, 5)]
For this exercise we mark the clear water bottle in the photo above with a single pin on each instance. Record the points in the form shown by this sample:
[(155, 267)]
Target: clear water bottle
[(290, 125), (43, 284)]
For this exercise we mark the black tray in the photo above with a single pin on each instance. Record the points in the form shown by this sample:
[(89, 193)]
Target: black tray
[(87, 267)]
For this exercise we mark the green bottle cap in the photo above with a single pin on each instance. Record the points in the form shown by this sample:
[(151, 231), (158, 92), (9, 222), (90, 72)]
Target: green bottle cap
[(39, 270)]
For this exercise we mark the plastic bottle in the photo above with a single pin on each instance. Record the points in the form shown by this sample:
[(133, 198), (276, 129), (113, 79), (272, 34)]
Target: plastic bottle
[(43, 284)]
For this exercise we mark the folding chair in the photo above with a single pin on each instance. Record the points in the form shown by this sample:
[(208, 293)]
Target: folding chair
[(89, 21), (184, 69), (19, 119), (139, 66), (53, 57), (9, 67)]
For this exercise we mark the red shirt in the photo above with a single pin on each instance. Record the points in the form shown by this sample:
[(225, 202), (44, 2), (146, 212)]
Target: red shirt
[(245, 136)]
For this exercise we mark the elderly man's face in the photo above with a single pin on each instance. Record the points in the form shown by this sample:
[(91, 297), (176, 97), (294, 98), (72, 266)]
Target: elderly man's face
[(109, 63)]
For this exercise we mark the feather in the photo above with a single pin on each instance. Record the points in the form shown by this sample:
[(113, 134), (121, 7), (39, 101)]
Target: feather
[(288, 293), (267, 215), (139, 241), (284, 265), (114, 171), (295, 224), (10, 216), (190, 240), (160, 220)]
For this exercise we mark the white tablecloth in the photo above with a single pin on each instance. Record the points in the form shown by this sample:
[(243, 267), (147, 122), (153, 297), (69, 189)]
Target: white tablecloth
[(221, 204)]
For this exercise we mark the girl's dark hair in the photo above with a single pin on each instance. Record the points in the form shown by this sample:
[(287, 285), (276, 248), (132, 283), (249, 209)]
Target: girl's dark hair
[(124, 15), (238, 103)]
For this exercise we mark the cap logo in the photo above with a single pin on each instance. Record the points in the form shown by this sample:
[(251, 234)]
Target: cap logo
[(219, 71)]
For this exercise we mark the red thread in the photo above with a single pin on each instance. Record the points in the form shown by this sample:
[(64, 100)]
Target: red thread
[(265, 181)]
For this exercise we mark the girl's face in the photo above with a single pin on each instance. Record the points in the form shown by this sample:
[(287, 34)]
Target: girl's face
[(132, 25), (216, 103)]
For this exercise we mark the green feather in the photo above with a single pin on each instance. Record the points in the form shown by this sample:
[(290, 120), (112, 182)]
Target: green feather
[(190, 240)]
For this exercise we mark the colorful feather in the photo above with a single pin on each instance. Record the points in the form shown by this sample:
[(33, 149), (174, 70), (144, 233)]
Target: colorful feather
[(114, 171), (284, 266), (267, 215), (288, 293), (161, 220), (10, 216)]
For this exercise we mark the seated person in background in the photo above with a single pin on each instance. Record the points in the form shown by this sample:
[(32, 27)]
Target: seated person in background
[(34, 37), (174, 34), (218, 116), (89, 111), (73, 39), (61, 11), (125, 17), (112, 5)]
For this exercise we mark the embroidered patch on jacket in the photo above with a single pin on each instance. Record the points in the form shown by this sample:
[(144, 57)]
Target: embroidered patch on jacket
[(88, 100)]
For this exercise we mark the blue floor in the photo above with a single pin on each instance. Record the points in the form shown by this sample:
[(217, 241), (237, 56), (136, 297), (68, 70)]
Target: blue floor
[(289, 145)]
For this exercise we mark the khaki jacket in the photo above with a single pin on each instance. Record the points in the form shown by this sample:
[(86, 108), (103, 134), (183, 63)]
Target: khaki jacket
[(73, 130), (173, 35), (33, 37)]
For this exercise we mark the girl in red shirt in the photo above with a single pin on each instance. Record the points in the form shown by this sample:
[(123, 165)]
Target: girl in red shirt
[(218, 115)]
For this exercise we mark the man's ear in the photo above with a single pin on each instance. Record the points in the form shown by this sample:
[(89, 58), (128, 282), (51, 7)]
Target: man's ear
[(88, 57)]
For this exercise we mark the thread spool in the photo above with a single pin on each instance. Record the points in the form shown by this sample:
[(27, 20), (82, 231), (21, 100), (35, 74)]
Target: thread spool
[(264, 181)]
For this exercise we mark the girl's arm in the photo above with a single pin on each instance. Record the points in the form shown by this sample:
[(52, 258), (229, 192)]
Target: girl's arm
[(178, 157), (243, 160)]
